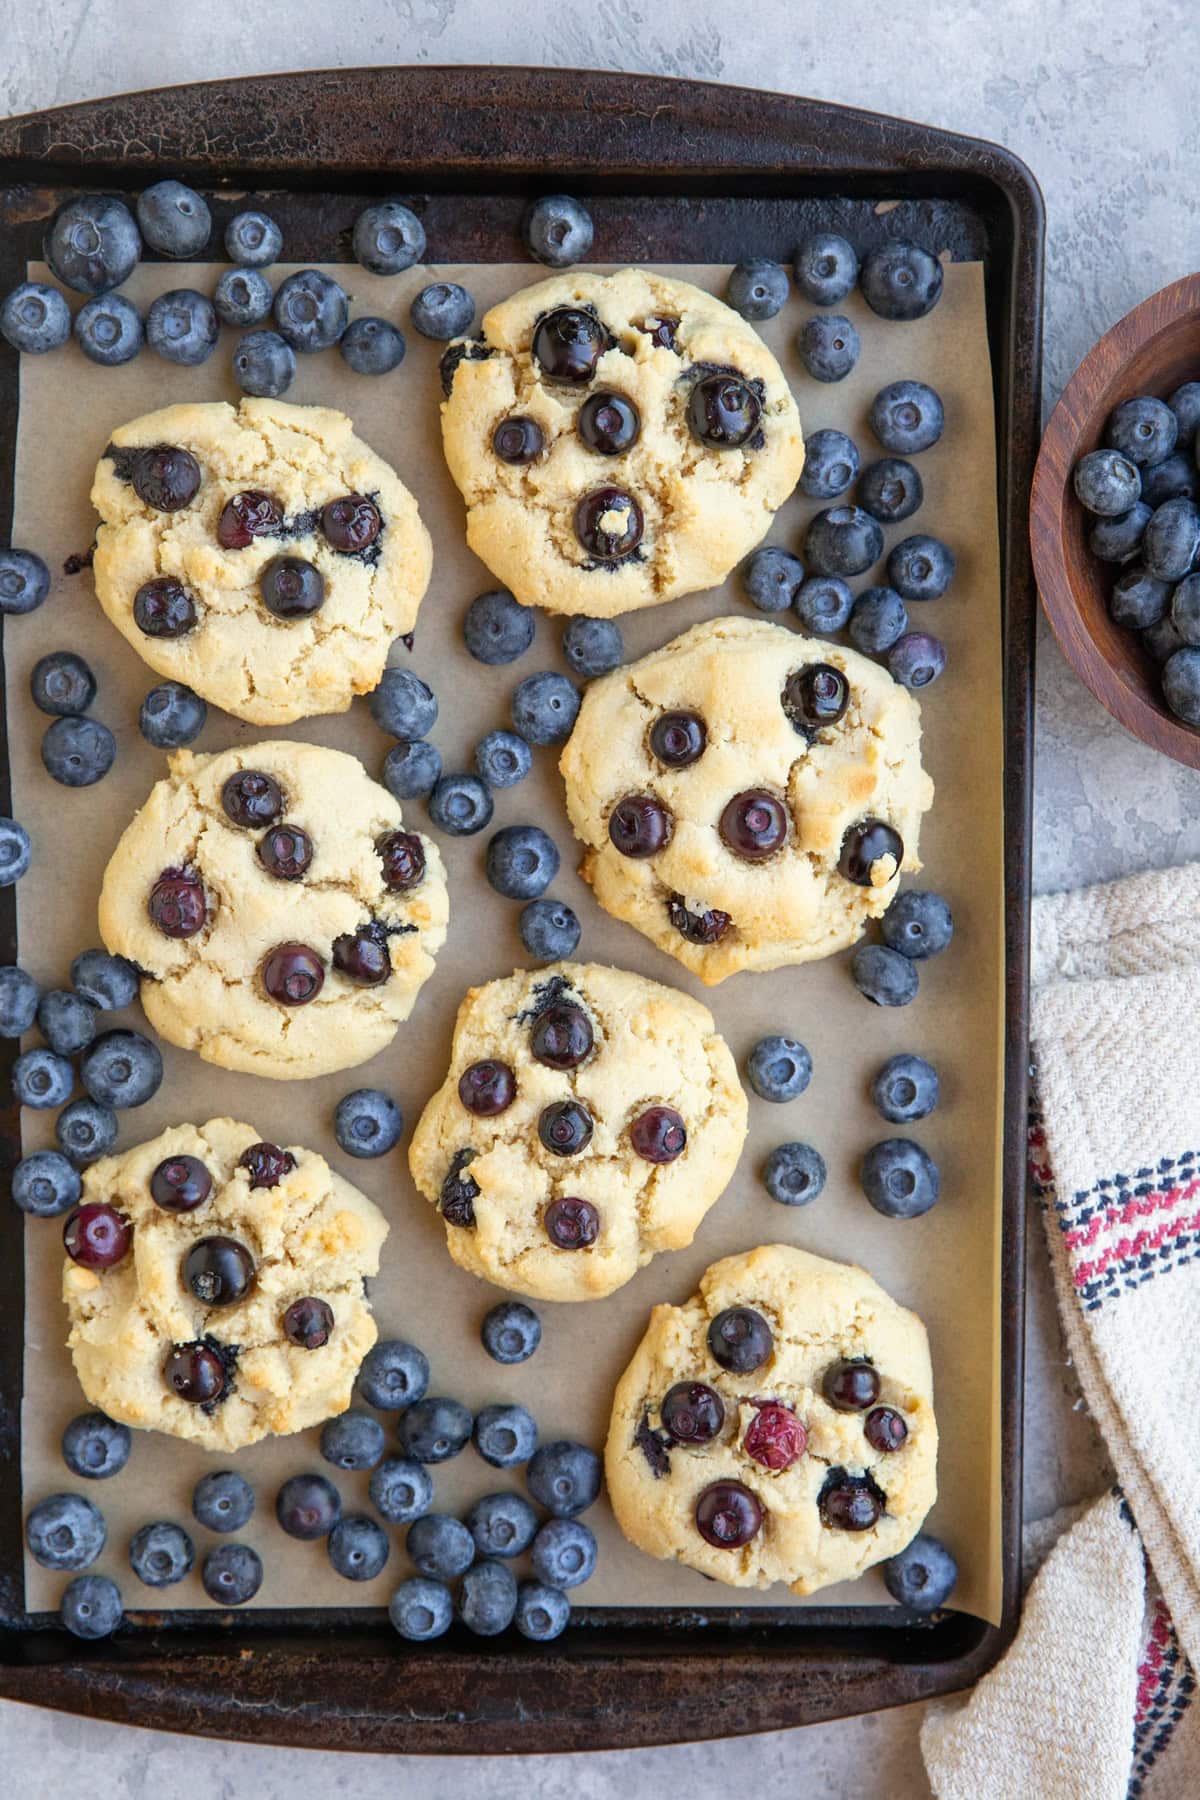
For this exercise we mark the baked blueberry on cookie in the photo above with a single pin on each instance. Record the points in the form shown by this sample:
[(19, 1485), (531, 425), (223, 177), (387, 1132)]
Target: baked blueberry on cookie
[(283, 918), (214, 1284), (262, 554), (589, 1119), (776, 1427), (618, 439), (747, 797)]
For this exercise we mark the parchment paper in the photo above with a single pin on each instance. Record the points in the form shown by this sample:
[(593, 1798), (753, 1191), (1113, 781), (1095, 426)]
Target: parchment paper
[(945, 1264)]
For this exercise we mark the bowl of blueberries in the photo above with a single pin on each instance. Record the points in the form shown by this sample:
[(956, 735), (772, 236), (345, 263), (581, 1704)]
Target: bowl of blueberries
[(1115, 521)]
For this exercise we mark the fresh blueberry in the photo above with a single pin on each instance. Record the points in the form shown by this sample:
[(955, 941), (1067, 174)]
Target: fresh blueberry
[(522, 861), (16, 852), (899, 1178), (1118, 539), (393, 1375), (487, 1599), (67, 1021), (93, 244), (91, 1607), (842, 540), (505, 1436), (794, 1174), (1138, 599), (401, 1490), (78, 752), (905, 1089), (35, 318), (435, 1429), (592, 646), (311, 311), (564, 1553), (45, 1184), (1185, 404), (901, 281), (1185, 610), (557, 231), (921, 1575), (411, 771), (18, 1001), (421, 1609), (460, 805), (358, 1547), (916, 659), (253, 240), (918, 923), (1171, 545), (388, 238), (110, 330), (564, 1477), (545, 707), (498, 629), (174, 220), (243, 297), (65, 1532), (223, 1501), (308, 1506), (1144, 430), (1181, 685), (891, 489), (826, 268), (920, 567), (831, 463), (264, 365), (403, 705), (823, 603), (1162, 640), (549, 930), (85, 1131), (121, 1069), (172, 715), (1107, 483), (502, 759), (771, 578), (442, 311), (24, 582), (778, 1068), (883, 976), (109, 982), (757, 289), (232, 1574), (367, 1122), (440, 1547), (62, 684), (510, 1333), (1175, 478), (42, 1080), (502, 1524), (907, 417), (371, 346), (161, 1554), (352, 1440), (829, 346), (542, 1612), (182, 327)]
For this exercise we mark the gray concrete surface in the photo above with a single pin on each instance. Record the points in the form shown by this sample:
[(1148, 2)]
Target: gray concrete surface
[(1099, 99)]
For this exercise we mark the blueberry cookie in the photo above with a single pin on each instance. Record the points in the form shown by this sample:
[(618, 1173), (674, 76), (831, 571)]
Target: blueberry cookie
[(618, 439), (282, 918), (747, 796), (776, 1427), (263, 554), (589, 1119), (214, 1284)]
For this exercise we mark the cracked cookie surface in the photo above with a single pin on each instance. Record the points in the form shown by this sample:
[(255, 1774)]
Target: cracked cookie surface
[(205, 989), (237, 653), (643, 1064), (310, 1237), (692, 891), (818, 1312), (702, 508)]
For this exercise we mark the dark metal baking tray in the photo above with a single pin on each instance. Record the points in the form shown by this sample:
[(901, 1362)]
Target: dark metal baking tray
[(672, 171)]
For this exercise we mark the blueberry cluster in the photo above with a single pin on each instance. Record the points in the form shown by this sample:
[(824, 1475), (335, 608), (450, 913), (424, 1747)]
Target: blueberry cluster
[(779, 1069), (1142, 490), (898, 281)]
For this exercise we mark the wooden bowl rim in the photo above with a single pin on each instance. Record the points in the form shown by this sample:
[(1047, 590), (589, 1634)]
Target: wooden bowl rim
[(1051, 498)]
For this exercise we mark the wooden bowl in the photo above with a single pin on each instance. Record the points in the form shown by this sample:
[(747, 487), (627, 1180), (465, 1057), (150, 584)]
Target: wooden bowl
[(1153, 350)]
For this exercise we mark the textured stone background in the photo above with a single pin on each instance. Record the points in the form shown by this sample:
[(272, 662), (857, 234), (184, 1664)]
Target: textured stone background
[(1100, 101)]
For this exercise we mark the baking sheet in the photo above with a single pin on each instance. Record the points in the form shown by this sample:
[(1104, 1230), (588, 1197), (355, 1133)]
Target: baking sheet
[(945, 1265)]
